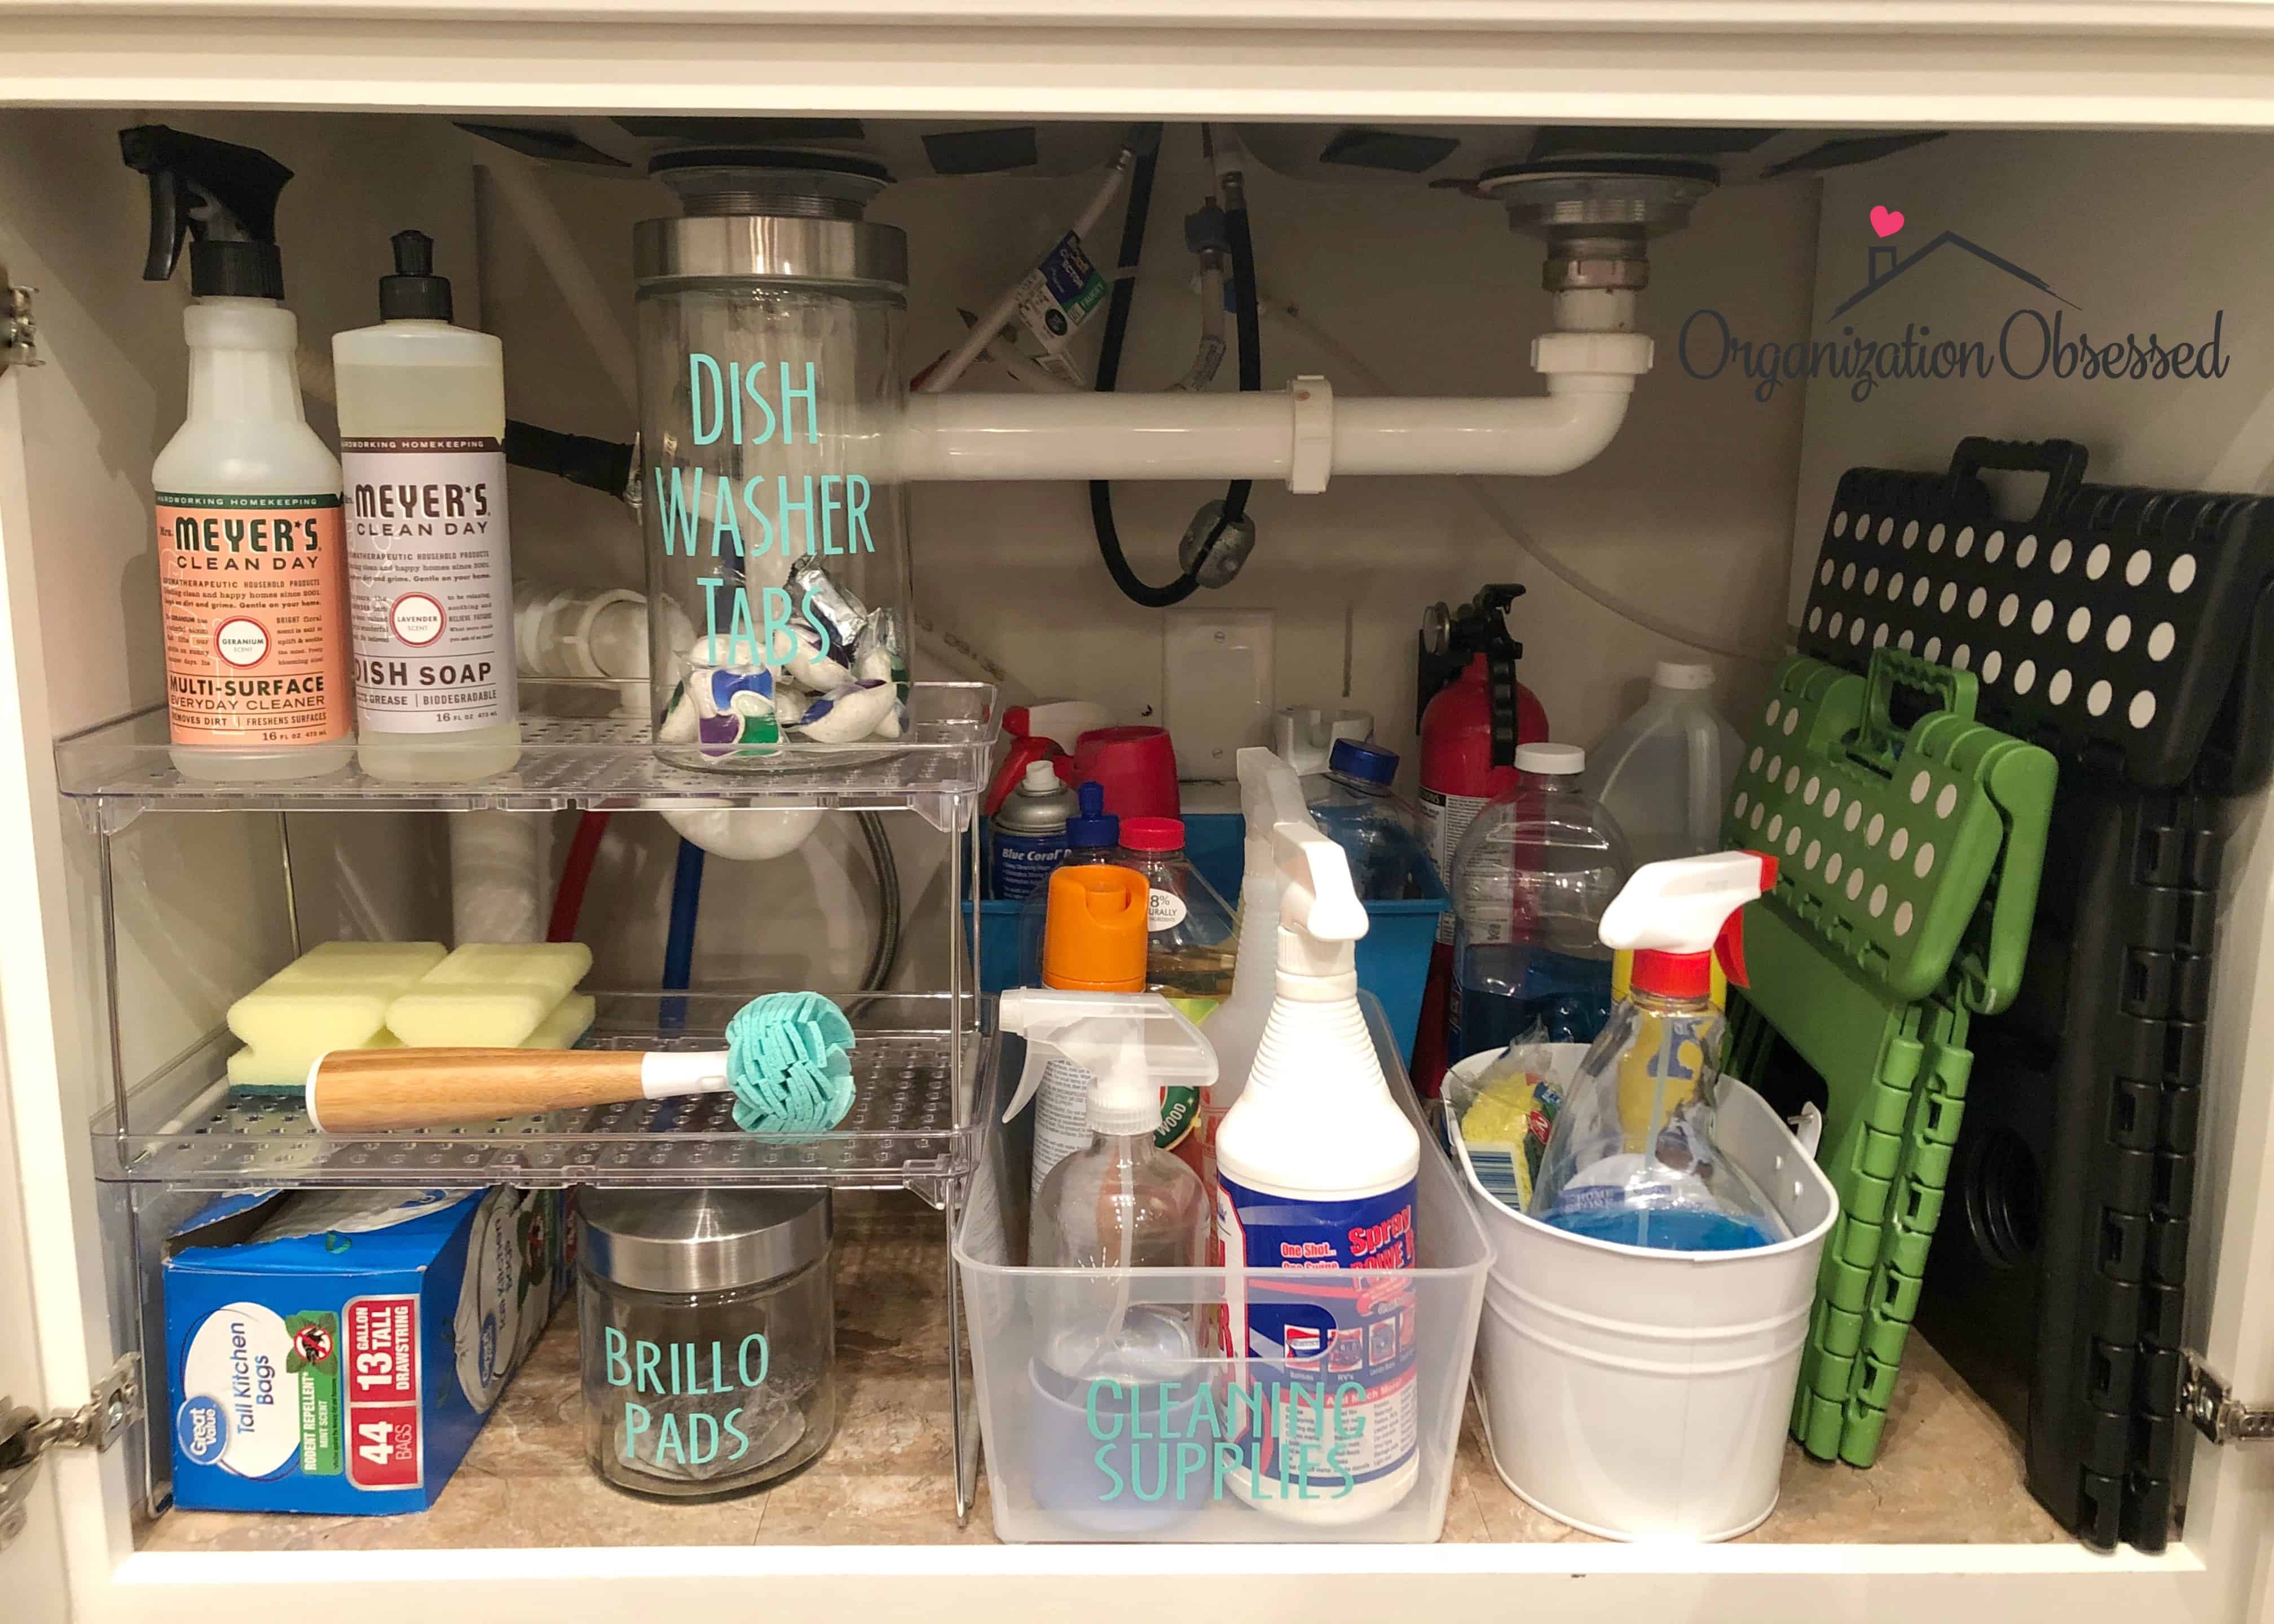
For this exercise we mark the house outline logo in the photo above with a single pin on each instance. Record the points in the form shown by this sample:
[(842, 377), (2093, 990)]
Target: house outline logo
[(2034, 340), (1884, 264)]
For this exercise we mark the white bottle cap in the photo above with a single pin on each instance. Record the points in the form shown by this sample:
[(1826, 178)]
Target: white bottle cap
[(1674, 674), (1042, 778), (1555, 760)]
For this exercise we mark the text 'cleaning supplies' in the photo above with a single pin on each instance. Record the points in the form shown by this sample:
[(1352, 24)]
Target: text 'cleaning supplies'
[(1315, 1168), (252, 570), (1633, 1157), (430, 568)]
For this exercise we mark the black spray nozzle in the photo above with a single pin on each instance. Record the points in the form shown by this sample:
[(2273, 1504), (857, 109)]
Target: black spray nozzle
[(414, 293), (222, 198)]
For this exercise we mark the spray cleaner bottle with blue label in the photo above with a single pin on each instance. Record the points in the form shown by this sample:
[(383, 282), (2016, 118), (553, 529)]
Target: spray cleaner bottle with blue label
[(1632, 1159), (1315, 1170)]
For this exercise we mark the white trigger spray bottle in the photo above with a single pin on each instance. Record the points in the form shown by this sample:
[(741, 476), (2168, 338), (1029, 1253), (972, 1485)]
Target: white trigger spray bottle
[(1269, 794), (1120, 1203), (1315, 1168)]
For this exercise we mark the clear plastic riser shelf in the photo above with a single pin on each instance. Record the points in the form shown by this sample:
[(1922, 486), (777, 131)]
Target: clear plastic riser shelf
[(583, 745), (191, 892), (183, 1128)]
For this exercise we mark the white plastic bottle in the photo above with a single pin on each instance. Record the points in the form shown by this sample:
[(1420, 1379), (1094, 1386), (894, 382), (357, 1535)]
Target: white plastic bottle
[(1665, 772), (430, 572), (251, 568), (1317, 1166)]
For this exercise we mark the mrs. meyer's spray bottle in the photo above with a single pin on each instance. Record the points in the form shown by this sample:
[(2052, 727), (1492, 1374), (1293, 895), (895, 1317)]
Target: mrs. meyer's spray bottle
[(1315, 1170), (252, 571), (1633, 1158), (430, 571)]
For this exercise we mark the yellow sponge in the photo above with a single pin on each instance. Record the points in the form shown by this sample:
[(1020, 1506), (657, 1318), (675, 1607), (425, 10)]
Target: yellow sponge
[(570, 1019), (498, 1015), (377, 995), (259, 1072), (557, 964), (393, 962), (335, 996)]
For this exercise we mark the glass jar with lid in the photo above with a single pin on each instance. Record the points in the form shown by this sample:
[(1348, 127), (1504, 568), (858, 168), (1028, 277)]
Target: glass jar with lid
[(707, 1323)]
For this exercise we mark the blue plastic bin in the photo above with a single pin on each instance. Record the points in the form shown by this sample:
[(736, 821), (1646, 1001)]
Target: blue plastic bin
[(1393, 956)]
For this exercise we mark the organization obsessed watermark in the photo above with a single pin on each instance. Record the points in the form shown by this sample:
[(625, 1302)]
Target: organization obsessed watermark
[(2045, 337)]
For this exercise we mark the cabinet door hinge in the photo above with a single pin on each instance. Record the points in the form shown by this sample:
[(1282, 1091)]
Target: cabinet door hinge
[(25, 1435), (19, 335), (2217, 1414)]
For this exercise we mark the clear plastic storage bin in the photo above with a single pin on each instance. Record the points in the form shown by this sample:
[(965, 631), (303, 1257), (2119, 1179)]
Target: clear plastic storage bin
[(1155, 1443)]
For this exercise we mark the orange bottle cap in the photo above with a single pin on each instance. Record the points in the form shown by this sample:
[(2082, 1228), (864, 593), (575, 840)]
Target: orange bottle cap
[(1093, 934)]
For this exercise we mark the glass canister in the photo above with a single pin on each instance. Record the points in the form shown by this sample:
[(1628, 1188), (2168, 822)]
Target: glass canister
[(707, 1328), (769, 325)]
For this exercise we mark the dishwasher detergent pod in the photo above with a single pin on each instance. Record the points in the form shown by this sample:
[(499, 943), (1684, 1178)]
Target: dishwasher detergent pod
[(336, 1352)]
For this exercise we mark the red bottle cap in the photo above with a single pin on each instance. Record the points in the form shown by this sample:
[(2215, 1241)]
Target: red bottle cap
[(1153, 834)]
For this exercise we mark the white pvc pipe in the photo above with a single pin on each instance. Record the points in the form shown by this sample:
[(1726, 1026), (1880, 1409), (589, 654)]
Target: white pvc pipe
[(1253, 436), (992, 321), (497, 870)]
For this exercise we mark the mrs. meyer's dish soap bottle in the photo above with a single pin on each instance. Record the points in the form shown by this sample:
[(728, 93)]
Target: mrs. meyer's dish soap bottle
[(1315, 1170), (252, 571), (1633, 1158), (430, 571)]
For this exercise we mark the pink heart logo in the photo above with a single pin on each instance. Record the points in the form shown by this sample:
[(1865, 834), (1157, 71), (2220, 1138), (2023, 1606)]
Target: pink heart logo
[(1885, 220)]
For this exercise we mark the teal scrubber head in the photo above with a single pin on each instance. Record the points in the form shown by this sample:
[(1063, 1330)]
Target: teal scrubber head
[(788, 1061)]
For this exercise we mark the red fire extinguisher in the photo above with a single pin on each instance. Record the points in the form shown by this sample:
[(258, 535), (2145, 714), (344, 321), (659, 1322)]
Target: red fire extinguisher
[(1474, 714)]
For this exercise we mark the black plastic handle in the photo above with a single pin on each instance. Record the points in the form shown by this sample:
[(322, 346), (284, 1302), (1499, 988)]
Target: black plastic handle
[(602, 464), (2060, 461)]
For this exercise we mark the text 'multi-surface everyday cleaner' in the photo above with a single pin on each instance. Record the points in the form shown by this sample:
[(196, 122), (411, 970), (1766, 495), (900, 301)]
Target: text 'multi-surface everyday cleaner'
[(252, 570), (1633, 1158), (430, 569), (1315, 1168)]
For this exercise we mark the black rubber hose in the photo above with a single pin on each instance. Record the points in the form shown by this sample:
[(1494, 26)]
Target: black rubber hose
[(600, 464), (1247, 325), (1109, 369)]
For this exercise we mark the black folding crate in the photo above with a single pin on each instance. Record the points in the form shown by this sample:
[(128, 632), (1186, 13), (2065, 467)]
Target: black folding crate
[(2131, 632)]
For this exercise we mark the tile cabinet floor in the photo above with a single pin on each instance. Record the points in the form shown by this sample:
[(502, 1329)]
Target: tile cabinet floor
[(1949, 1470)]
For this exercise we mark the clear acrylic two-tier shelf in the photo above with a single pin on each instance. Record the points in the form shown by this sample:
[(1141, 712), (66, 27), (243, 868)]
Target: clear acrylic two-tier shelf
[(171, 1133)]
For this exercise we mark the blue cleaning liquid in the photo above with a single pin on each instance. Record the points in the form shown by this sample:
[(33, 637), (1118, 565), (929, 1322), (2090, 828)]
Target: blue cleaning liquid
[(1507, 987), (1666, 1229)]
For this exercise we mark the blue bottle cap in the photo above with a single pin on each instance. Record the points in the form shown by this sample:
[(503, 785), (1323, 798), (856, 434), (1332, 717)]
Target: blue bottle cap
[(1093, 826), (1369, 762)]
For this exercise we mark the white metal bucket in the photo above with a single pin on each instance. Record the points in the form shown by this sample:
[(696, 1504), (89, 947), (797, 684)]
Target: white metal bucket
[(1645, 1395)]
